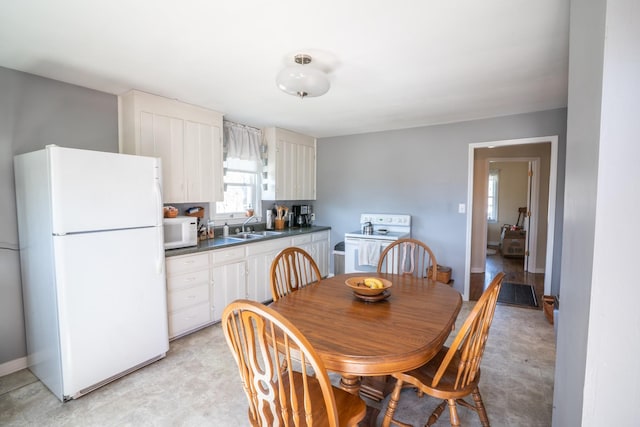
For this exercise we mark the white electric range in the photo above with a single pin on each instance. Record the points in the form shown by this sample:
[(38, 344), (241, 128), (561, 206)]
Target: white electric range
[(362, 250)]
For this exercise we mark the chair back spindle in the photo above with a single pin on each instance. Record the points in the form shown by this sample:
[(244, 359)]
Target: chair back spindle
[(408, 256), (292, 269)]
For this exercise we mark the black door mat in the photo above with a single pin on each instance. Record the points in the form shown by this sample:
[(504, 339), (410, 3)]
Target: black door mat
[(518, 294)]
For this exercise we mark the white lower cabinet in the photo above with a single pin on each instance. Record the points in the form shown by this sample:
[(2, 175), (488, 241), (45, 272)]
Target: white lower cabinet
[(201, 285), (320, 251), (317, 245), (228, 278), (187, 293), (259, 259), (303, 242)]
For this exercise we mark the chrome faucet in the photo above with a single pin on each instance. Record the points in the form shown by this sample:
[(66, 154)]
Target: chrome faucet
[(247, 220)]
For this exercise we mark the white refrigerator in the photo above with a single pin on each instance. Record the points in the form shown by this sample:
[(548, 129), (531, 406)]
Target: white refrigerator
[(92, 264)]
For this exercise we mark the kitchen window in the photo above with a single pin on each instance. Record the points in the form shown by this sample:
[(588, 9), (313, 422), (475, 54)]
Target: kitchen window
[(241, 189), (242, 173), (492, 201)]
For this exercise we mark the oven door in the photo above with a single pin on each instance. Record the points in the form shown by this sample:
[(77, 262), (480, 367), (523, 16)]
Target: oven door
[(355, 260)]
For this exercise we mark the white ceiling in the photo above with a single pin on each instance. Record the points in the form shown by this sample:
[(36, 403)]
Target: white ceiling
[(392, 65)]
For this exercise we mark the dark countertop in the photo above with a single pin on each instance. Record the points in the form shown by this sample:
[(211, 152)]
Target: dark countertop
[(220, 242)]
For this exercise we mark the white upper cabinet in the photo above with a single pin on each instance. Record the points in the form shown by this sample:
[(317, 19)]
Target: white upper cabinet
[(187, 138), (291, 166)]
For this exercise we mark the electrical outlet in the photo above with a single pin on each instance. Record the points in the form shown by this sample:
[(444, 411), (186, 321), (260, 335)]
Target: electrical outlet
[(462, 208), (313, 217)]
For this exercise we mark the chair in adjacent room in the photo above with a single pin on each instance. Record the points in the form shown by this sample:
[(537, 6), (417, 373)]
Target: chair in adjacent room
[(454, 372), (303, 397), (408, 256), (292, 269)]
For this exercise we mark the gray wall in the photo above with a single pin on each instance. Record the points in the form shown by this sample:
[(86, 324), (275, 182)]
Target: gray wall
[(420, 171), (35, 112), (598, 335)]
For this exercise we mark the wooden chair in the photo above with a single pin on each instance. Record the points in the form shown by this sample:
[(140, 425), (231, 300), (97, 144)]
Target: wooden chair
[(292, 269), (408, 256), (454, 372), (289, 397)]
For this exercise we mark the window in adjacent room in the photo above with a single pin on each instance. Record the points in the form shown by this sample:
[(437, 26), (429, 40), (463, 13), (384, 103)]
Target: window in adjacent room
[(492, 202)]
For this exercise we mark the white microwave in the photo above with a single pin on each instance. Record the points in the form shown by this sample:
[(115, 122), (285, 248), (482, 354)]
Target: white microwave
[(180, 232)]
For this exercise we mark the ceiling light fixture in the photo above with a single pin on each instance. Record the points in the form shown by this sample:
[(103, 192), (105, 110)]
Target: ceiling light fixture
[(303, 79)]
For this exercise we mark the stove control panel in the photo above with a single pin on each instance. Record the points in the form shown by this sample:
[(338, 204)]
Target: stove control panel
[(386, 219)]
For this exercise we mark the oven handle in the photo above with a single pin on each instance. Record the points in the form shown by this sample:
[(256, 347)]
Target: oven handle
[(355, 240)]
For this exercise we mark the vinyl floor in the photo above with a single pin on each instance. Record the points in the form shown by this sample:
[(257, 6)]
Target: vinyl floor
[(197, 384)]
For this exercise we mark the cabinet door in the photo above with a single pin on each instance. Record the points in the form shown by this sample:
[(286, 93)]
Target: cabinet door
[(306, 172), (259, 259), (291, 166), (228, 284), (296, 169), (162, 136), (203, 151), (320, 253), (258, 284), (303, 242), (286, 158)]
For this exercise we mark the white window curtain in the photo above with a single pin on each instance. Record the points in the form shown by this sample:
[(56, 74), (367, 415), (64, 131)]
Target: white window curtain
[(241, 142)]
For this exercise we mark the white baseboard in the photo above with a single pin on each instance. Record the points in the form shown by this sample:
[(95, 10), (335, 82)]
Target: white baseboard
[(13, 366), (477, 270)]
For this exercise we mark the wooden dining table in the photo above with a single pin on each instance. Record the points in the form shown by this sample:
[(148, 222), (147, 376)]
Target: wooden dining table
[(358, 339)]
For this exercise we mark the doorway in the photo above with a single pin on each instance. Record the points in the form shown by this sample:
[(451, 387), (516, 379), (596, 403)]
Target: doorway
[(476, 218), (515, 210)]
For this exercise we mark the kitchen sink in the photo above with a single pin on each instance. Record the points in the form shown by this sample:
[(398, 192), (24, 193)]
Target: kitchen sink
[(242, 237), (221, 241), (266, 233), (246, 236)]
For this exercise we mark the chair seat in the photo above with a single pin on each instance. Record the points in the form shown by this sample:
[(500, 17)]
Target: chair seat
[(352, 408), (422, 378)]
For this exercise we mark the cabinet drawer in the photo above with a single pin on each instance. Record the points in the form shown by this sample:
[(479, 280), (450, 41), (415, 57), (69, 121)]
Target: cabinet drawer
[(227, 255), (268, 246), (189, 279), (322, 235), (301, 240), (179, 264), (188, 297), (190, 318)]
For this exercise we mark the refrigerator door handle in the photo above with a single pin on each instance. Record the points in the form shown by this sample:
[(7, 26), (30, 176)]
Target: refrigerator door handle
[(159, 197), (160, 261)]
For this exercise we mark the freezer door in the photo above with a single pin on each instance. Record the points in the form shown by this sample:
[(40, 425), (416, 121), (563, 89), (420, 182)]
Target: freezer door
[(111, 294), (93, 190)]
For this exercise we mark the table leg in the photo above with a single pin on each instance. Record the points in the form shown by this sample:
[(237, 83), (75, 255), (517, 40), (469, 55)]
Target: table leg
[(350, 383)]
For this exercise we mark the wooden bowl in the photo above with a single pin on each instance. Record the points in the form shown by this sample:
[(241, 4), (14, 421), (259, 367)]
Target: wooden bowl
[(357, 284)]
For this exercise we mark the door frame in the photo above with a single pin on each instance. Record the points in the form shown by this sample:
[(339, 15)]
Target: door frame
[(553, 172)]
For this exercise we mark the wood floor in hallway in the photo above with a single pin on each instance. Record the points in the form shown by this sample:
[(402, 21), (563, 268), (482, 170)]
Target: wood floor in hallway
[(514, 272)]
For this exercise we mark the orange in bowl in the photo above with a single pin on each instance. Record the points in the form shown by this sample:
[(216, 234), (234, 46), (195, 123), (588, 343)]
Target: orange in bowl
[(359, 285)]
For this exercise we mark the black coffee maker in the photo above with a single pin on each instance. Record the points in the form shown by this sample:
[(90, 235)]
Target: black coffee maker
[(301, 215)]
